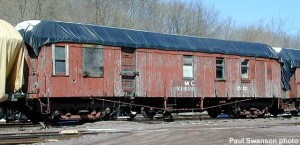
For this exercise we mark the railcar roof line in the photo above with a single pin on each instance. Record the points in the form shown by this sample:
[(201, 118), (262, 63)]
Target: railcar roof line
[(38, 33)]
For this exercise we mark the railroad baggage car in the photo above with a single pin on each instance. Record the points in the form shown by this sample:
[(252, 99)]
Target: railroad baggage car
[(79, 71)]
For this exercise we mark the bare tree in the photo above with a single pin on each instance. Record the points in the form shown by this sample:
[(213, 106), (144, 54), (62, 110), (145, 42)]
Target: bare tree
[(22, 4), (37, 6), (167, 16)]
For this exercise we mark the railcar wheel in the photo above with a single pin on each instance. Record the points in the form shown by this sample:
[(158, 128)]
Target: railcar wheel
[(115, 113), (273, 109), (234, 112), (148, 113), (131, 116), (35, 118), (294, 113), (274, 112), (214, 112)]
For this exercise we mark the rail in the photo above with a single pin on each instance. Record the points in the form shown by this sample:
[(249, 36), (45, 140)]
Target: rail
[(50, 136)]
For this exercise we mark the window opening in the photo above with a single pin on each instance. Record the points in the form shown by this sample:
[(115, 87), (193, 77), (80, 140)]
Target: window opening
[(60, 60), (245, 69), (220, 69), (188, 71)]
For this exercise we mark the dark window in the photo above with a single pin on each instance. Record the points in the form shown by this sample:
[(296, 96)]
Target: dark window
[(92, 61), (220, 68), (188, 71), (245, 69), (60, 60)]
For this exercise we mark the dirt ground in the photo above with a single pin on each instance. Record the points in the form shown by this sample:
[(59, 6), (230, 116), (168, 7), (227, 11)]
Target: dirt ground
[(187, 132)]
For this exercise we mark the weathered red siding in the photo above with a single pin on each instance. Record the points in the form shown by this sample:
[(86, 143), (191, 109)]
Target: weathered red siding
[(206, 80), (297, 81), (295, 85), (160, 74), (75, 85)]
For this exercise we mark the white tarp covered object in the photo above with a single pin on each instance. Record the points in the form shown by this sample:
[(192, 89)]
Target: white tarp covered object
[(11, 60)]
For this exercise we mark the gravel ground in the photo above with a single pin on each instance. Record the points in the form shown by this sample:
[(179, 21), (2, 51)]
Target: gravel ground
[(187, 132)]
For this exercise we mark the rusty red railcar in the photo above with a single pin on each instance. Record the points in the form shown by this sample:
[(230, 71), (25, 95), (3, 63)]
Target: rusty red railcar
[(290, 59), (78, 71)]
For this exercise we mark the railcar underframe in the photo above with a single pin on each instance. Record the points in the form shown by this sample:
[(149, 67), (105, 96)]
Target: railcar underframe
[(105, 108)]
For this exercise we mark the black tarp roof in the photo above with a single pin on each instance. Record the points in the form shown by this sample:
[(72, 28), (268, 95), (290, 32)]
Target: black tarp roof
[(291, 55), (38, 33), (291, 60)]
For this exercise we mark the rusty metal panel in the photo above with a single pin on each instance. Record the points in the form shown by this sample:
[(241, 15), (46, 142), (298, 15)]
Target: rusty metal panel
[(172, 75), (272, 79), (204, 84), (276, 79), (236, 85), (252, 69), (246, 88), (260, 79), (76, 85), (297, 82), (112, 67), (233, 84), (269, 70), (293, 92), (141, 68), (160, 74), (155, 73), (43, 69), (220, 89), (268, 79), (31, 73), (182, 87)]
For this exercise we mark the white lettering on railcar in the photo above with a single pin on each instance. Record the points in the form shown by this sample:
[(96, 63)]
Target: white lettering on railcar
[(241, 88), (188, 86)]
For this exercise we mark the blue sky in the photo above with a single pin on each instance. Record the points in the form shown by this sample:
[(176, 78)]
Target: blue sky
[(247, 12)]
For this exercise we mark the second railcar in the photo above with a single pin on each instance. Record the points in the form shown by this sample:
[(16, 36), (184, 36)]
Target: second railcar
[(290, 59), (78, 71)]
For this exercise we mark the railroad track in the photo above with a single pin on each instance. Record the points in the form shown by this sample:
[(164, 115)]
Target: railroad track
[(28, 138), (192, 116), (177, 117), (52, 136), (4, 125)]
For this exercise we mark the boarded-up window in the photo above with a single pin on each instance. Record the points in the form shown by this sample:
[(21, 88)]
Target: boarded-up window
[(245, 69), (220, 69), (92, 61), (188, 71), (60, 59)]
